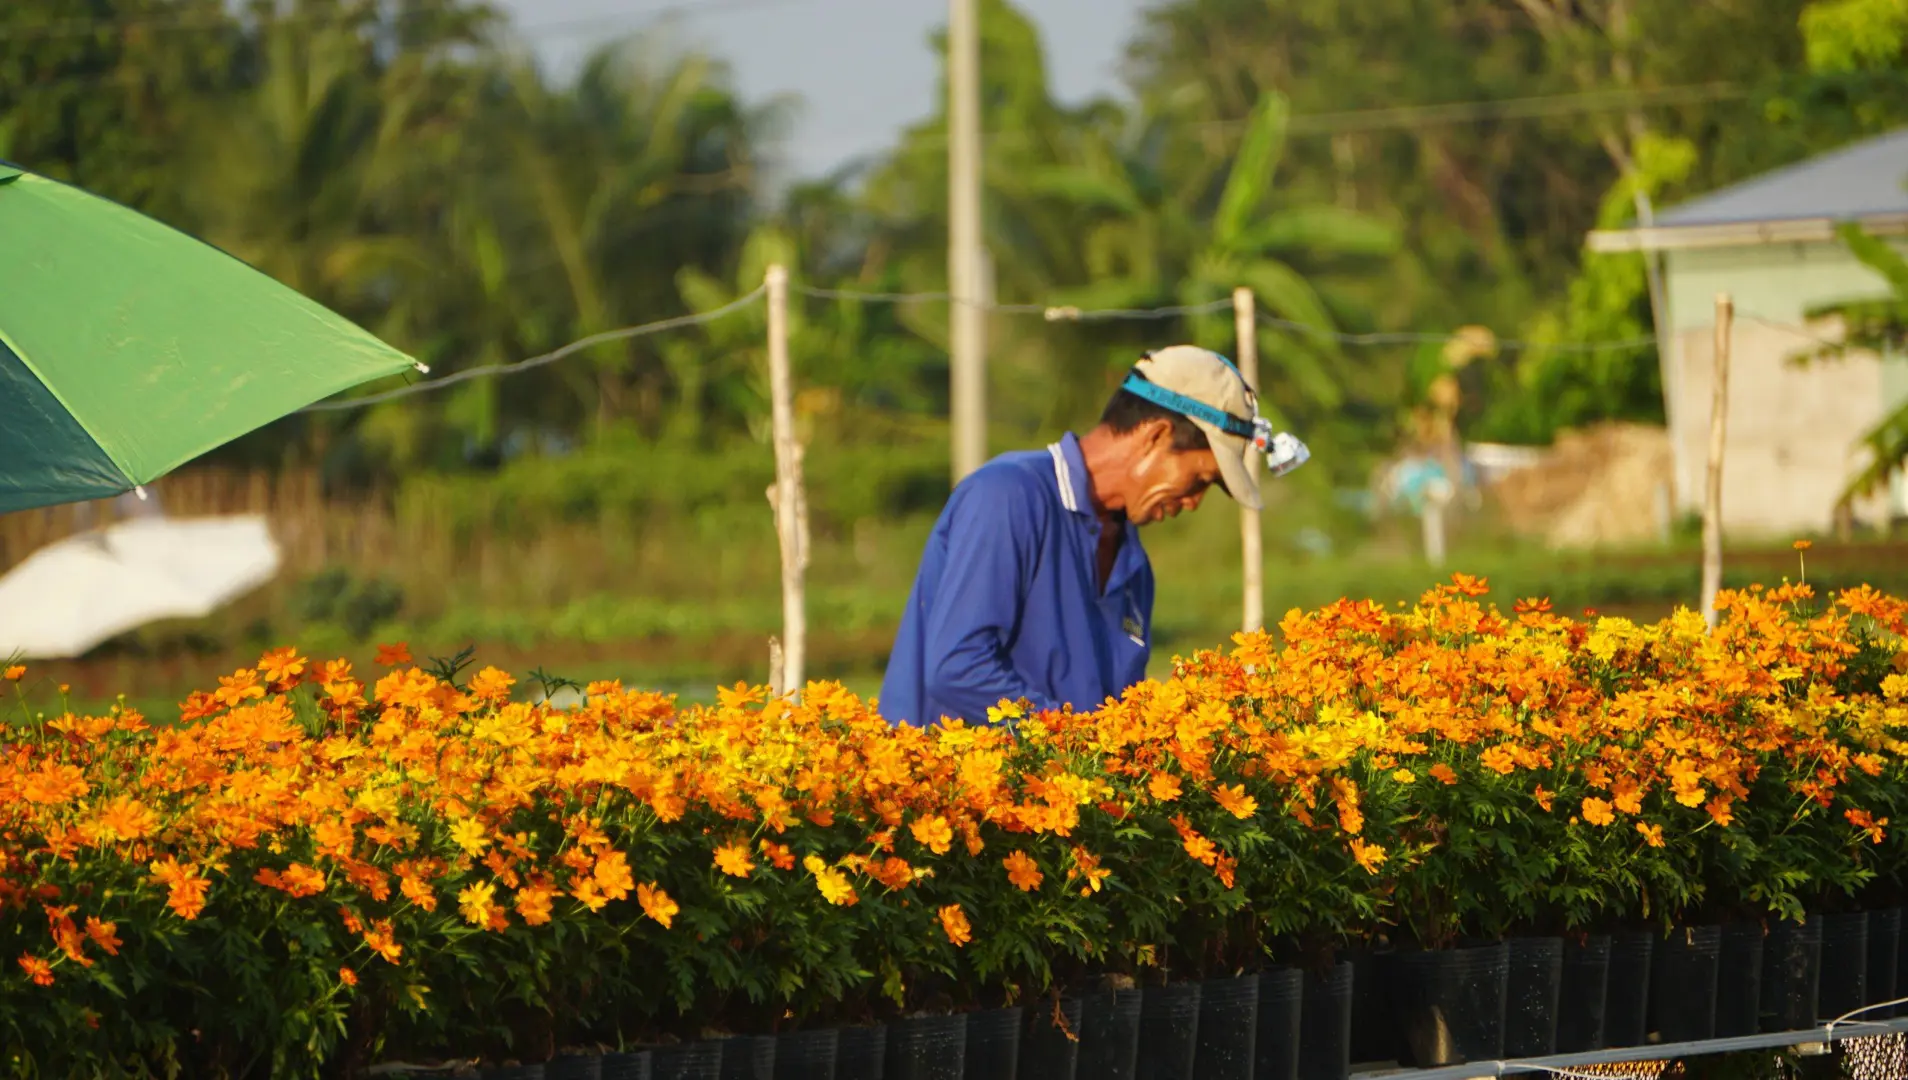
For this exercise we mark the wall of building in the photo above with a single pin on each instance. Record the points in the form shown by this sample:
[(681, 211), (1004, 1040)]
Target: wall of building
[(1793, 431)]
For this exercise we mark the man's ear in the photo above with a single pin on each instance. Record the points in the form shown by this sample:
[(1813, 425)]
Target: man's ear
[(1157, 434)]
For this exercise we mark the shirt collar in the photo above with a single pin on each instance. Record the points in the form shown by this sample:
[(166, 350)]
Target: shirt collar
[(1070, 473)]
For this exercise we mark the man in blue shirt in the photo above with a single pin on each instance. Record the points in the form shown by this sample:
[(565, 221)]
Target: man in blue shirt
[(1034, 585)]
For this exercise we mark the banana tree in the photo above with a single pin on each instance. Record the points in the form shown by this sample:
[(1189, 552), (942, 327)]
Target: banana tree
[(1170, 226), (1878, 326)]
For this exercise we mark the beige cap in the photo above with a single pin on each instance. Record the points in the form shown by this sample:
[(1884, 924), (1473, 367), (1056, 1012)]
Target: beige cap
[(1210, 379)]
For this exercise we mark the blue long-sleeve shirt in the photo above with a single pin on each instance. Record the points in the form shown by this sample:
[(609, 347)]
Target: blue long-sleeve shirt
[(1007, 604)]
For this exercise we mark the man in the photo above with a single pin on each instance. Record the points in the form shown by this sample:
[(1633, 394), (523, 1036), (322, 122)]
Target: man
[(1034, 585)]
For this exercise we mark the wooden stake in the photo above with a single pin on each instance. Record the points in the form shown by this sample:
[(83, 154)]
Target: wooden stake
[(789, 499), (1245, 328), (1718, 424)]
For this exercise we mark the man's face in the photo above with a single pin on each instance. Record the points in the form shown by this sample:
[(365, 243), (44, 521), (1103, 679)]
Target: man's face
[(1164, 482)]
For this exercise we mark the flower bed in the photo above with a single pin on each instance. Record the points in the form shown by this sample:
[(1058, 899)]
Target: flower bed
[(311, 868)]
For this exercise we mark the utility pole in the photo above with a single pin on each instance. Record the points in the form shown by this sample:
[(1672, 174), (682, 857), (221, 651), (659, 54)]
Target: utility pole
[(1718, 434), (1245, 328), (967, 325)]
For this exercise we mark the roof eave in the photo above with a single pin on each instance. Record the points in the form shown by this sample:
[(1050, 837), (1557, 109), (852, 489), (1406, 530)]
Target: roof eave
[(1738, 233)]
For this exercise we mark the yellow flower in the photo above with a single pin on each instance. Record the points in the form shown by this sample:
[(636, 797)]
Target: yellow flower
[(1369, 856), (475, 901), (833, 884), (469, 834), (1164, 787), (1405, 776)]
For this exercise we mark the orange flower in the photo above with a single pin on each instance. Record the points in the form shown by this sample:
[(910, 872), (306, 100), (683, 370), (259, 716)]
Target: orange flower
[(1803, 545), (733, 859), (1022, 871), (1086, 865), (104, 934), (954, 925), (656, 903), (14, 673), (1869, 824), (934, 832), (1543, 797), (1652, 834), (347, 976), (1369, 856), (383, 941), (612, 875), (238, 687), (1164, 786), (1443, 773), (185, 888), (1597, 812), (779, 855), (282, 666), (1235, 800), (393, 655), (37, 969), (1719, 810), (533, 901)]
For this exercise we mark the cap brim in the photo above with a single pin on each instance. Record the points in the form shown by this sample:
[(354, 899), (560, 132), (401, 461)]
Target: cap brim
[(1234, 456)]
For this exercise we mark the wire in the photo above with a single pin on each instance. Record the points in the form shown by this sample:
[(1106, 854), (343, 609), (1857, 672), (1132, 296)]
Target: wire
[(221, 20), (623, 334), (1050, 312), (1420, 338)]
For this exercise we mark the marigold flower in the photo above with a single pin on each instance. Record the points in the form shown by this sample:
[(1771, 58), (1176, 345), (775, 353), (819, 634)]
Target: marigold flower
[(778, 855), (1803, 545), (185, 888), (237, 688), (1652, 834), (1869, 824), (282, 666), (954, 925), (383, 940), (37, 969), (1022, 871), (833, 885), (533, 901), (347, 976), (656, 903), (733, 859), (470, 835), (1596, 811), (933, 831), (1443, 773), (393, 655), (475, 901), (1163, 786), (1405, 776), (14, 673), (1369, 856)]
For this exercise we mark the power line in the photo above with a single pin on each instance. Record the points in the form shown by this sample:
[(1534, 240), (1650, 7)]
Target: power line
[(221, 20), (622, 334), (1422, 337)]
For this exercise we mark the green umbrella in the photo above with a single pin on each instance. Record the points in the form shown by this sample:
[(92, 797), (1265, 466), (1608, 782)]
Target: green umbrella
[(128, 348)]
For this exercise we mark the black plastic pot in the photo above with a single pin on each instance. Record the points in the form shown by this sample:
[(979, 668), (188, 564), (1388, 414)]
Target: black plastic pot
[(1275, 1048), (1739, 980), (1585, 990), (1884, 951), (574, 1067), (927, 1048), (861, 1053), (1791, 974), (1109, 1035), (1046, 1051), (1325, 1025), (1626, 1002), (629, 1066), (748, 1057), (533, 1071), (1228, 1028), (1450, 1004), (993, 1044), (1530, 996), (1844, 985), (806, 1055), (1374, 1030), (1169, 1031), (687, 1061), (1683, 976)]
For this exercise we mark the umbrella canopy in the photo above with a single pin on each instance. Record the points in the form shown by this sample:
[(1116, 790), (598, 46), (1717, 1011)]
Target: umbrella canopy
[(69, 596), (128, 348)]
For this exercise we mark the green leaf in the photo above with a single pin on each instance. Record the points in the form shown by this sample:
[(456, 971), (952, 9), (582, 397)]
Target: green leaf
[(1320, 230), (1251, 178), (1084, 187), (1282, 291)]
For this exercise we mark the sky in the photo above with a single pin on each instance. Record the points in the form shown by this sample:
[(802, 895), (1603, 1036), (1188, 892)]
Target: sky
[(861, 68)]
